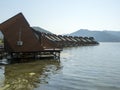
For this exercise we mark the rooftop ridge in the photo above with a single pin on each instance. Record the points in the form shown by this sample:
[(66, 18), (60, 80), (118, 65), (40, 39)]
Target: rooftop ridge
[(13, 20)]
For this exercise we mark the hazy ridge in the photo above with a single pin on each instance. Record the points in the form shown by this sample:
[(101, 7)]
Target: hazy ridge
[(41, 29), (101, 36)]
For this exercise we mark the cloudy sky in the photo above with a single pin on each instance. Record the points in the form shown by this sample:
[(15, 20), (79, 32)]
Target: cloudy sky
[(65, 16)]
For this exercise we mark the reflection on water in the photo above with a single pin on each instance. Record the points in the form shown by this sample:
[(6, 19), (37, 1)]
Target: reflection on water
[(88, 68), (83, 68), (26, 76), (1, 75)]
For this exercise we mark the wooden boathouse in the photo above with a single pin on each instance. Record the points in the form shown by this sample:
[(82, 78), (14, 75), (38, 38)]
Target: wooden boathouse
[(22, 41)]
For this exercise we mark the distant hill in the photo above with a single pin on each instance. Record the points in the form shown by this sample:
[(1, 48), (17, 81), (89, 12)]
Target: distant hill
[(101, 36), (41, 29), (34, 27)]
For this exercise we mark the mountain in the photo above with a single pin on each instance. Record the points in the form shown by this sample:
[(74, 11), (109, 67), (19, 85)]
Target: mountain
[(34, 27), (101, 36), (41, 29)]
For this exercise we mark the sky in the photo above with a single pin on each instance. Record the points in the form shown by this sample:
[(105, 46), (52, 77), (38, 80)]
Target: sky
[(65, 16)]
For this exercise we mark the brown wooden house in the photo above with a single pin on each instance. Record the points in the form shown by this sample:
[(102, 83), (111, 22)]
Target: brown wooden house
[(18, 36)]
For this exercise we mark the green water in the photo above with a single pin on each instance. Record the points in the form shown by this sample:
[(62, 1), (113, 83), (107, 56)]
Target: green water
[(80, 68), (27, 76)]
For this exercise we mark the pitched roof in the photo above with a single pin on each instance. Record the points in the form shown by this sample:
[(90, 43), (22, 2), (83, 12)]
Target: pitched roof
[(18, 29)]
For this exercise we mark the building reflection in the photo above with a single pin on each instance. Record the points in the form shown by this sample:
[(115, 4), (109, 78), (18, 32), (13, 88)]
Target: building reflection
[(27, 76)]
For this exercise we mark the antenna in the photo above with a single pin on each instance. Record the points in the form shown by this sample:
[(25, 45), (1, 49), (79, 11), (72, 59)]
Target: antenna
[(20, 32), (20, 42)]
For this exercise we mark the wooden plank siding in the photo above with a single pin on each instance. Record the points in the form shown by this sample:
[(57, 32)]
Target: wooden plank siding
[(11, 29)]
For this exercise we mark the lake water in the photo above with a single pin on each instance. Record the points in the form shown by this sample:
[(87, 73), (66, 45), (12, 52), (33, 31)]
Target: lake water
[(80, 68)]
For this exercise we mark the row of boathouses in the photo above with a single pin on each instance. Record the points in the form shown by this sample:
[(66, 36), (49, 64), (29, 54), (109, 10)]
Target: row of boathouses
[(22, 41), (68, 41)]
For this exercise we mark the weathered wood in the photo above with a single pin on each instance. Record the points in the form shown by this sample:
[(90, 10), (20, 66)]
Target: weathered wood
[(23, 42)]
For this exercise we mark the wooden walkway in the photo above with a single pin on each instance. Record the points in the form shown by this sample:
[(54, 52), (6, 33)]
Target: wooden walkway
[(14, 57)]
